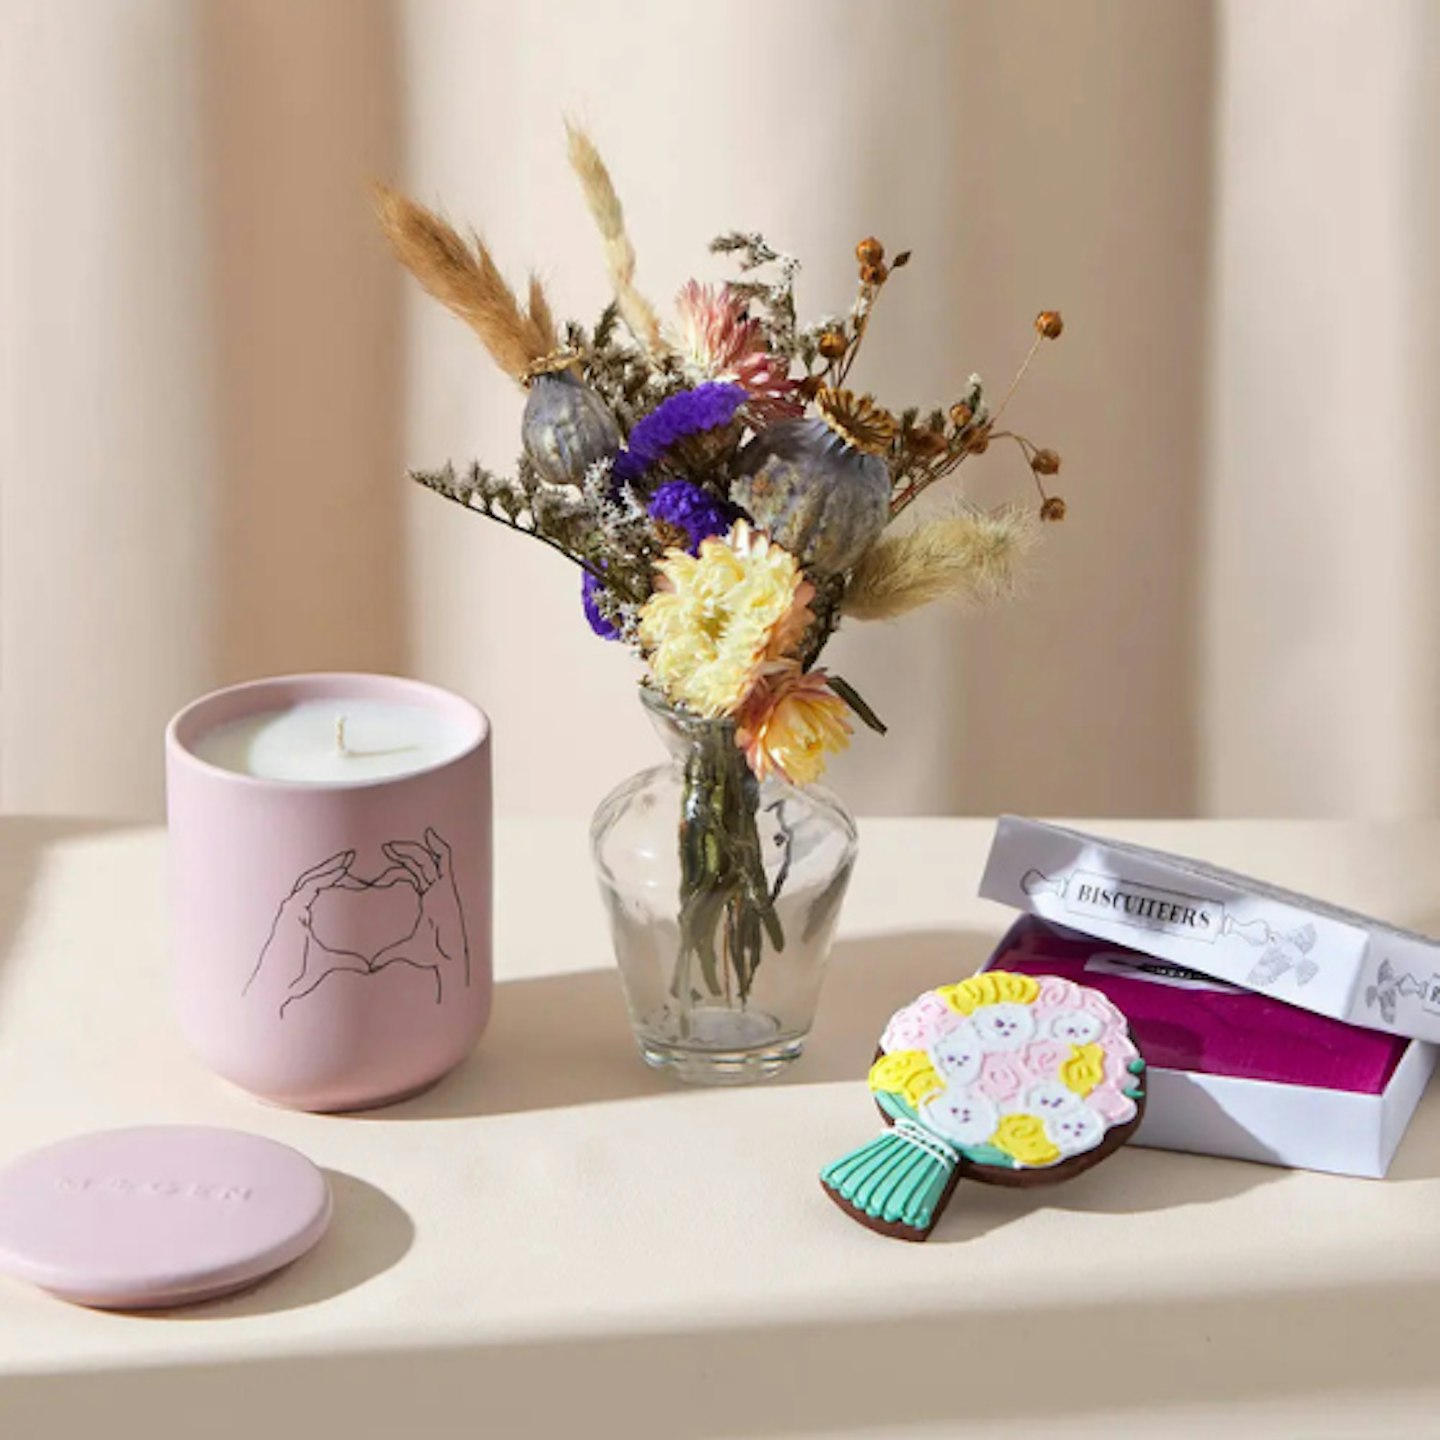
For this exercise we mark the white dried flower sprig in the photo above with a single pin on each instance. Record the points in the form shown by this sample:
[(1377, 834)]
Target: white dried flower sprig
[(775, 298), (618, 511)]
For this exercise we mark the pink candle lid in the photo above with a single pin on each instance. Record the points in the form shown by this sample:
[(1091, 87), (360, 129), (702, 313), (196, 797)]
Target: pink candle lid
[(157, 1216)]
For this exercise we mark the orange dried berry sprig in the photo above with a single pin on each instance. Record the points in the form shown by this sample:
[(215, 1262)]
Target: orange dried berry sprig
[(871, 255), (1049, 324)]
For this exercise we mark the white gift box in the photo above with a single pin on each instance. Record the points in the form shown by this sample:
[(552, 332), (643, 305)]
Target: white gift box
[(1232, 1072), (1298, 949)]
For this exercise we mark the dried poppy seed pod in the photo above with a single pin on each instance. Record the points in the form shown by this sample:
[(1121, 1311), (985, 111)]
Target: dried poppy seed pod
[(813, 489), (566, 428), (1045, 462), (1053, 508), (1049, 324)]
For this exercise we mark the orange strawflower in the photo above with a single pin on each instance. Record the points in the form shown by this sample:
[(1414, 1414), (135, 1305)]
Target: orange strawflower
[(791, 723)]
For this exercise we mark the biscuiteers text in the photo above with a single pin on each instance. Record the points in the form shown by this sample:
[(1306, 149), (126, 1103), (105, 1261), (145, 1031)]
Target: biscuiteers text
[(1154, 906)]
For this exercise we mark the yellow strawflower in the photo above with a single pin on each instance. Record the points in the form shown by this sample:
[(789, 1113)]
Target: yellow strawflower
[(718, 618)]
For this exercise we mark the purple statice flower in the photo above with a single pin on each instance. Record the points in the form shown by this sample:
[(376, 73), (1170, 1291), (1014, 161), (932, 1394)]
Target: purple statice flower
[(691, 412), (689, 507), (590, 589)]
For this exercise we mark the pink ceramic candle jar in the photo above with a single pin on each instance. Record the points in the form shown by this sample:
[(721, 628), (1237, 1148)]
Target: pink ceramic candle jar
[(331, 885)]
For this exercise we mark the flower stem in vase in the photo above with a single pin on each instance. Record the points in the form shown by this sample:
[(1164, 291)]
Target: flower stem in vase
[(726, 908)]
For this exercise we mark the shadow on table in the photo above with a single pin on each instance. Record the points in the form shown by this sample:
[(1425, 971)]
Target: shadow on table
[(1132, 1182), (368, 1235), (1329, 1351), (565, 1039)]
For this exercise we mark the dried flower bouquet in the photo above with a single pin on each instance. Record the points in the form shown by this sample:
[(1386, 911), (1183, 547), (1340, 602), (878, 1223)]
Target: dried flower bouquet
[(729, 500)]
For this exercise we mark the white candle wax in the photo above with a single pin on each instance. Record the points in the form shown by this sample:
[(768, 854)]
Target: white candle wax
[(324, 742)]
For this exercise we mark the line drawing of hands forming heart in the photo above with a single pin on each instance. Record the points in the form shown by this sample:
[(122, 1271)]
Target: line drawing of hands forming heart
[(428, 935)]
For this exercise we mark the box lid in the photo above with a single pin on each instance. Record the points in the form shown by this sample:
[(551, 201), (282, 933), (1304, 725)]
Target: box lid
[(1292, 947)]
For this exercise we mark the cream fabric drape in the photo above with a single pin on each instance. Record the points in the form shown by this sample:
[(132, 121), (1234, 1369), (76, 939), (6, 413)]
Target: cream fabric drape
[(200, 385), (211, 377), (1321, 605)]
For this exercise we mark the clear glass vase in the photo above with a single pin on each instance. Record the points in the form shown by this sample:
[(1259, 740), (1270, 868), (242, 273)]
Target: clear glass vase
[(723, 893)]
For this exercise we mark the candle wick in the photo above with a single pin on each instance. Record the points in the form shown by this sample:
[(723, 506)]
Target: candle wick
[(340, 735)]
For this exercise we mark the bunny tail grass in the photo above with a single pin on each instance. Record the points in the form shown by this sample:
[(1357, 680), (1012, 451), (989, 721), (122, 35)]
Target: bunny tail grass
[(637, 312), (542, 317), (898, 1181), (464, 278), (974, 555)]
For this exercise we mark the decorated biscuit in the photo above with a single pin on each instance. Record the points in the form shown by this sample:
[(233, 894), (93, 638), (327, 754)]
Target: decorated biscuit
[(1008, 1079)]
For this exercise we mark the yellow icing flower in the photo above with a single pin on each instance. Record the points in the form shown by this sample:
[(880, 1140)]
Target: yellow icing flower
[(1085, 1068), (994, 987), (908, 1073), (791, 721), (1022, 1136), (717, 619)]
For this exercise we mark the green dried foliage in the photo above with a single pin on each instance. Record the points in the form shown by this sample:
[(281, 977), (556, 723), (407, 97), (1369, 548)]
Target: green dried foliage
[(527, 508), (605, 325)]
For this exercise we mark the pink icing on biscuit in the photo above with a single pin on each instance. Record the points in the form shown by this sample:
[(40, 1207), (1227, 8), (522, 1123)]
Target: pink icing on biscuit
[(1096, 1003), (919, 1025), (1056, 993), (1042, 1058), (1001, 1077), (1118, 1055), (1116, 1107), (1039, 1065)]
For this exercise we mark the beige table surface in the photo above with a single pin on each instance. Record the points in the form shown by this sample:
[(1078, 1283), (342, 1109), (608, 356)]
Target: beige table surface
[(555, 1242)]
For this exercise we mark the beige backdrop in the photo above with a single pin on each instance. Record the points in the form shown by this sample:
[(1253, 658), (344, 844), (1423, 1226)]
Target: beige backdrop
[(211, 377)]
